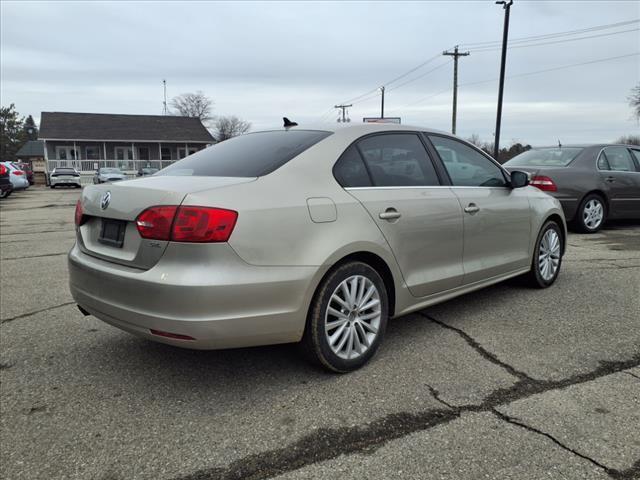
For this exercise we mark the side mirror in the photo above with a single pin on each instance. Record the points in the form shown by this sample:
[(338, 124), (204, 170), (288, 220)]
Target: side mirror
[(519, 179)]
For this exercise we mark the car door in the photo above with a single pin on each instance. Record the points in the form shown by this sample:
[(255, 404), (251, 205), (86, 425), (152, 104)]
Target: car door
[(621, 180), (393, 177), (497, 219)]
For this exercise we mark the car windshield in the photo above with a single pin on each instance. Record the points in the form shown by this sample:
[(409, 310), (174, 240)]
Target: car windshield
[(250, 155), (110, 170), (545, 157)]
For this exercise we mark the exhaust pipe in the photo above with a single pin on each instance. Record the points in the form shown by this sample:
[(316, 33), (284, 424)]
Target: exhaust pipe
[(83, 311)]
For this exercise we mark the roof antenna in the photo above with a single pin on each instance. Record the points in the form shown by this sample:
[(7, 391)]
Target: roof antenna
[(288, 123), (559, 144)]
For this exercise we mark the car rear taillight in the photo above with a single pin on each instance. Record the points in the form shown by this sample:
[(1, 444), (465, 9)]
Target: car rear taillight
[(155, 222), (79, 215), (544, 183), (203, 224), (3, 169), (187, 223), (18, 172)]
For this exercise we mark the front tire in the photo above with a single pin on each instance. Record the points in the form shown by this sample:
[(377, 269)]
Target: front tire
[(347, 318), (591, 215), (547, 257)]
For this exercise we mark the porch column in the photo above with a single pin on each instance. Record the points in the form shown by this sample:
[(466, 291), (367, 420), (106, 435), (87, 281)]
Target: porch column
[(160, 153), (104, 145), (186, 149)]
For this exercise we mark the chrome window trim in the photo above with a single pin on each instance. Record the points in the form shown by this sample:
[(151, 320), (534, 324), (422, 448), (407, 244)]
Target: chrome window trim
[(619, 171), (413, 187)]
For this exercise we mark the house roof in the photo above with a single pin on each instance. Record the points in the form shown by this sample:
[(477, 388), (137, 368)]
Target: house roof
[(105, 126), (33, 148)]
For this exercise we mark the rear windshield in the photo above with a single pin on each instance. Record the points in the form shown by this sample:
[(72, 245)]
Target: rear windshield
[(110, 170), (250, 155), (545, 157), (64, 170)]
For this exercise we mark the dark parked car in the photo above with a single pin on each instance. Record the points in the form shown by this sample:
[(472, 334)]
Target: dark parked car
[(146, 171), (26, 168), (6, 187), (594, 183)]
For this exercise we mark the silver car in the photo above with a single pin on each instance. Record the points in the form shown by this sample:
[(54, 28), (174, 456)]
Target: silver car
[(311, 236), (108, 174)]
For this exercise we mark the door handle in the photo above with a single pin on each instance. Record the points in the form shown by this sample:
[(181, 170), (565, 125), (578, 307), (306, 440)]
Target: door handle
[(611, 179), (472, 208), (390, 214)]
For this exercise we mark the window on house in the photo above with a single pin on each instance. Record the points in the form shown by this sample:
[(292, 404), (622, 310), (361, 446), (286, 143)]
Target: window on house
[(143, 153), (124, 153), (165, 153), (67, 153), (92, 153)]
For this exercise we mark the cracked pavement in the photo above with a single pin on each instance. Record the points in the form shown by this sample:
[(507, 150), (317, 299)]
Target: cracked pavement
[(505, 382)]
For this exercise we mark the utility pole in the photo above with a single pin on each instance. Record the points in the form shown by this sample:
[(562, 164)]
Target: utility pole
[(344, 116), (455, 54), (164, 103), (382, 106), (506, 4)]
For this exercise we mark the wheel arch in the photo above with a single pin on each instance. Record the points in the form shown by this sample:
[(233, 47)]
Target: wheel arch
[(563, 229)]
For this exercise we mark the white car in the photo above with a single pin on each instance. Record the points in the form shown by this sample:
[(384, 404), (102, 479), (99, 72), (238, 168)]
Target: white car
[(64, 177), (17, 177)]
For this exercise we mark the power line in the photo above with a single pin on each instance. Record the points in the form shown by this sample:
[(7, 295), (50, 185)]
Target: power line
[(552, 35), (525, 45)]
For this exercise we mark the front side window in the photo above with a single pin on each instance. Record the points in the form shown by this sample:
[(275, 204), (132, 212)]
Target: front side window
[(466, 166), (397, 160), (250, 155), (617, 159), (350, 171)]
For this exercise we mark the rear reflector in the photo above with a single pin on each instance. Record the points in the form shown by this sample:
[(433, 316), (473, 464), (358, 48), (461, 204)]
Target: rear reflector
[(186, 224), (176, 336), (544, 183)]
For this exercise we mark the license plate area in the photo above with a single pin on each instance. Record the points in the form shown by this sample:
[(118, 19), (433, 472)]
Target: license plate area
[(112, 232)]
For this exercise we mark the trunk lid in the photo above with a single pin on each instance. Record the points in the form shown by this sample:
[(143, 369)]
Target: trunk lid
[(123, 202)]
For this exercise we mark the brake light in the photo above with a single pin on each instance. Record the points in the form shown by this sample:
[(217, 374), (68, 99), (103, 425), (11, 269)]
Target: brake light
[(187, 223), (18, 172), (544, 183), (3, 169), (155, 222), (79, 215), (203, 224)]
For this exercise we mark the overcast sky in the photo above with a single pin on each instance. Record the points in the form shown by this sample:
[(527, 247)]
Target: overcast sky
[(263, 60)]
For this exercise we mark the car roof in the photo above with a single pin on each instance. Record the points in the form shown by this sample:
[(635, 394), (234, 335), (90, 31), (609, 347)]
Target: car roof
[(358, 128), (587, 145)]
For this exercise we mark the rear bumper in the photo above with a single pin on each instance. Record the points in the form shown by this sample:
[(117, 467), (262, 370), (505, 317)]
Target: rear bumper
[(213, 297), (569, 204), (54, 181)]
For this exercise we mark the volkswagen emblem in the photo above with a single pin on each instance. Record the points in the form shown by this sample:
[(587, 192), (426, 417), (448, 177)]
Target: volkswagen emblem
[(106, 199)]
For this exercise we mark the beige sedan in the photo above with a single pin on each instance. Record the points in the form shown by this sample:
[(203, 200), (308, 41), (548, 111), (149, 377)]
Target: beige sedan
[(316, 236)]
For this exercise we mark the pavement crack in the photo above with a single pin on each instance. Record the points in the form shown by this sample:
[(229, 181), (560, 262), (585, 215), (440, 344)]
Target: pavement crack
[(36, 256), (486, 354), (632, 374), (23, 315), (327, 443), (514, 421)]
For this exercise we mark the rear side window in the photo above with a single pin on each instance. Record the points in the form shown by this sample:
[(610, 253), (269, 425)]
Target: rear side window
[(397, 160), (617, 159), (350, 171), (250, 155)]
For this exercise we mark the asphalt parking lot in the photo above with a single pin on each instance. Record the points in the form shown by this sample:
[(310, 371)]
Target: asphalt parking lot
[(506, 382)]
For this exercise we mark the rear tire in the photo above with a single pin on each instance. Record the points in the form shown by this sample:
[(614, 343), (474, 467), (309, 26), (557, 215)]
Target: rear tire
[(347, 318), (591, 215), (547, 257)]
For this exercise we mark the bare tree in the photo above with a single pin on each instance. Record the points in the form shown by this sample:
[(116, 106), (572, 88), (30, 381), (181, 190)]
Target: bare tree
[(475, 139), (228, 127), (634, 101), (629, 139), (193, 105)]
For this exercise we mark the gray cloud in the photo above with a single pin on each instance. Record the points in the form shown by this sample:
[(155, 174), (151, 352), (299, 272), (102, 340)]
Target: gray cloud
[(260, 60)]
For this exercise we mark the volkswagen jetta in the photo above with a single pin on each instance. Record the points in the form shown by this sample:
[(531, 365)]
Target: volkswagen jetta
[(310, 236)]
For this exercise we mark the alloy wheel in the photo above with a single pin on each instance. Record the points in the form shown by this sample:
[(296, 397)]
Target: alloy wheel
[(353, 315), (549, 254), (593, 213)]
